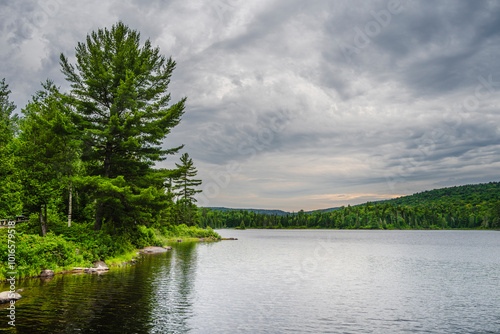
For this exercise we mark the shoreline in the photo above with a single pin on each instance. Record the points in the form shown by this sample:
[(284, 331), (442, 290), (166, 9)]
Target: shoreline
[(303, 228), (118, 264)]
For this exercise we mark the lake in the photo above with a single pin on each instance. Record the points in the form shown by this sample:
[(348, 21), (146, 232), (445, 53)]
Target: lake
[(283, 281)]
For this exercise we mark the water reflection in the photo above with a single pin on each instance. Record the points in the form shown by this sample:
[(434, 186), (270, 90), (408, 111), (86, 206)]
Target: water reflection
[(280, 282), (173, 290), (153, 296)]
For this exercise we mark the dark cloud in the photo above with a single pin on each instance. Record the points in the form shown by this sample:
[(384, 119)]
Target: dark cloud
[(314, 104)]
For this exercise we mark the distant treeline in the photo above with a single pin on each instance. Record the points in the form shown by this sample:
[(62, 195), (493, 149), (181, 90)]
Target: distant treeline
[(470, 206)]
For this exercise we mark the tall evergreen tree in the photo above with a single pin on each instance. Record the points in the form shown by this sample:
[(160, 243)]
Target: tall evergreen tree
[(44, 151), (7, 118), (121, 104), (185, 183), (10, 201), (184, 187)]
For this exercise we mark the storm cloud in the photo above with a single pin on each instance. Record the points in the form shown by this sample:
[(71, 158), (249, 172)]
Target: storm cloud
[(301, 104)]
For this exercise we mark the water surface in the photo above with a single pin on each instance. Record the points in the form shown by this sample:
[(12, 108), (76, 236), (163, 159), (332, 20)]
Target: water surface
[(283, 281)]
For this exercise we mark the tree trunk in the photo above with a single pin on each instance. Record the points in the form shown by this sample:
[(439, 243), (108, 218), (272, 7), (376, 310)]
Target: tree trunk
[(99, 212), (70, 203), (99, 215), (185, 191), (107, 160), (43, 220)]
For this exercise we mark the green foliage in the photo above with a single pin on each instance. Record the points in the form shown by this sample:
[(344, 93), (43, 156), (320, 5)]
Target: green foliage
[(185, 183), (460, 195), (46, 150), (7, 119), (471, 206), (10, 187), (184, 189), (184, 231), (121, 108), (146, 237), (93, 245), (64, 247), (97, 245), (241, 227), (88, 156), (34, 252)]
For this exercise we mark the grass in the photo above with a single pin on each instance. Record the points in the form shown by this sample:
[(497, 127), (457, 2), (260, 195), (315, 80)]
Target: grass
[(78, 246), (120, 259)]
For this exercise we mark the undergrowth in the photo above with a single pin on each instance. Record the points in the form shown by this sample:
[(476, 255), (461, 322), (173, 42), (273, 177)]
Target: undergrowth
[(78, 246)]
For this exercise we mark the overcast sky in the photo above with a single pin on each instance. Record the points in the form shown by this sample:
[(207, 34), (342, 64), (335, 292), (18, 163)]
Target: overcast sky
[(296, 104)]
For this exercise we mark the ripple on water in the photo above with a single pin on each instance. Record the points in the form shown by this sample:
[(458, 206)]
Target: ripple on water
[(284, 282)]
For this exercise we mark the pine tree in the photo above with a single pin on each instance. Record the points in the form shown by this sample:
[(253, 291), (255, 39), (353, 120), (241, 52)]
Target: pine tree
[(10, 201), (121, 106), (185, 183), (44, 150), (7, 119), (185, 186)]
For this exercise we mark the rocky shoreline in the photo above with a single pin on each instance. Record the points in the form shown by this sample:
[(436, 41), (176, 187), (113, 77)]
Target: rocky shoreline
[(98, 267)]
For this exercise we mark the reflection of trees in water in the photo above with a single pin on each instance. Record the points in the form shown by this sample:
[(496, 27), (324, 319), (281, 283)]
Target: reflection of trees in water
[(120, 301), (173, 291), (155, 295), (68, 303), (117, 302)]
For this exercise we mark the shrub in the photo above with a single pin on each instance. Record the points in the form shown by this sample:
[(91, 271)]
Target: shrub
[(34, 252), (145, 236)]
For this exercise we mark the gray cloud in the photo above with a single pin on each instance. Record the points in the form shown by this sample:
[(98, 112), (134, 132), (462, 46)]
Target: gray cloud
[(299, 104)]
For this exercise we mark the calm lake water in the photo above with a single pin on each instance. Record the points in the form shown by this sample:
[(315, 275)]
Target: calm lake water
[(283, 281)]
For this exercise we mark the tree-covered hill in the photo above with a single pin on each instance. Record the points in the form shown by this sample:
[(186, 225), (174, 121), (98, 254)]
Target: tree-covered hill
[(473, 194), (261, 211), (469, 206), (270, 212)]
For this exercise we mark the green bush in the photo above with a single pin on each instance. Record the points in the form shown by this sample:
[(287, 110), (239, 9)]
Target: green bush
[(78, 246), (34, 252), (145, 236), (241, 227)]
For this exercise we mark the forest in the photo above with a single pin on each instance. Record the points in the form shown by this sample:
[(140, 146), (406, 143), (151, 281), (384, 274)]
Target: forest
[(79, 172), (469, 206)]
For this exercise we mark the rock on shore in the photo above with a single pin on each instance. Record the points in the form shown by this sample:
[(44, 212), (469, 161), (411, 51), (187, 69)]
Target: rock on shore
[(154, 249), (47, 273), (7, 296), (100, 265)]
